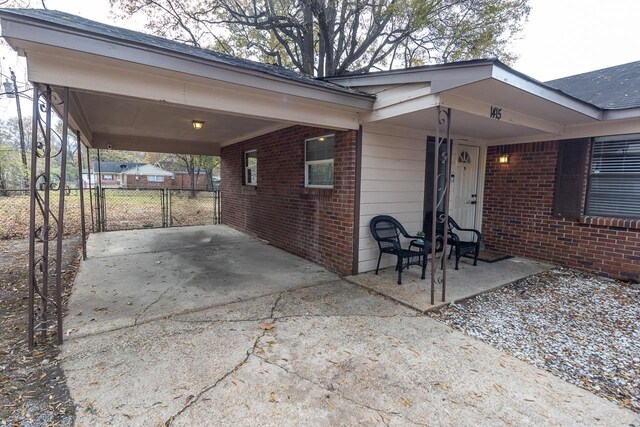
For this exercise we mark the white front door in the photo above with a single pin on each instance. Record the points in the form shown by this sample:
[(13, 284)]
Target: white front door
[(464, 187)]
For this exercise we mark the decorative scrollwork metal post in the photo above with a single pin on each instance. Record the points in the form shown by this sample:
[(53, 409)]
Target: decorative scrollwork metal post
[(45, 226), (440, 198)]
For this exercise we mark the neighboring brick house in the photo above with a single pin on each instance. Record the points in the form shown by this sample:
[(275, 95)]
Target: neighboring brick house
[(182, 180), (110, 173), (147, 176), (143, 175)]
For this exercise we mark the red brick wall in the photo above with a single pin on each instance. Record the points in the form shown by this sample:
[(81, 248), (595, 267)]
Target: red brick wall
[(518, 203), (316, 224)]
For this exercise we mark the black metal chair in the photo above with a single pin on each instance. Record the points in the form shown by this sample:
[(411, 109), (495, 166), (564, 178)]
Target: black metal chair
[(463, 247), (386, 230)]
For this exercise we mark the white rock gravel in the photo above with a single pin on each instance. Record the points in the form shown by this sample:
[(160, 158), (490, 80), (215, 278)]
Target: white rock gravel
[(582, 328)]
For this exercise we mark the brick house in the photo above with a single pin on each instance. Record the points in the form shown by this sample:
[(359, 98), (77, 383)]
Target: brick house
[(142, 175), (110, 173), (545, 170)]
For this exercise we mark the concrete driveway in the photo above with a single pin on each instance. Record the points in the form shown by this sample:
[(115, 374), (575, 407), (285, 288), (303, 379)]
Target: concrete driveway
[(284, 343)]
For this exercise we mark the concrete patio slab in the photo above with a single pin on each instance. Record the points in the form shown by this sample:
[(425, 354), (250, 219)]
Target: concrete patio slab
[(329, 354), (466, 282), (206, 326), (132, 277)]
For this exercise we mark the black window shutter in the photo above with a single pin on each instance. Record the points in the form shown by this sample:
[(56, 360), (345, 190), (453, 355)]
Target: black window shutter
[(570, 178)]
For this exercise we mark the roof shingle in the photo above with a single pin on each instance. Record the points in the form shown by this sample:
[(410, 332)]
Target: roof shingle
[(612, 88)]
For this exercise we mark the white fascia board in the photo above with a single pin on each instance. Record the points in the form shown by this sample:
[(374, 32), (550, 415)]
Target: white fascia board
[(543, 91), (585, 130), (628, 113), (398, 94), (16, 30), (440, 77), (483, 109), (418, 103), (409, 132)]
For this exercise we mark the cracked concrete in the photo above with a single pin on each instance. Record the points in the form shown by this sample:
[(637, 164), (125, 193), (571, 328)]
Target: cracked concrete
[(312, 352)]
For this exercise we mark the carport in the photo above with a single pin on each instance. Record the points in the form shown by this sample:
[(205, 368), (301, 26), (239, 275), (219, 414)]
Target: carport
[(118, 89)]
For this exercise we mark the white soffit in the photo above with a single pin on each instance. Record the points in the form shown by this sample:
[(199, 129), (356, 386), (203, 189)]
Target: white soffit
[(504, 95)]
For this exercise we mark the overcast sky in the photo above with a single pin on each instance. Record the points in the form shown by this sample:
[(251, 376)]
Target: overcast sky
[(562, 37)]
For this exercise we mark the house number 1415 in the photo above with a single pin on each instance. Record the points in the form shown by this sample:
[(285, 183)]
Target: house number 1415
[(496, 113)]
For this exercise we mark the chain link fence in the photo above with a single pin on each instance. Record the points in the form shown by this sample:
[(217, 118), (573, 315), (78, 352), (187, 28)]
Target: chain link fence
[(115, 209), (131, 209)]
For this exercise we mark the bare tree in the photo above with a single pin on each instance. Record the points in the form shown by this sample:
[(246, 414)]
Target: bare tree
[(334, 37)]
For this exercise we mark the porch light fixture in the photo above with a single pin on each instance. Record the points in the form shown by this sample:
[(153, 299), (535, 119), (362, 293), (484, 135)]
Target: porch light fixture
[(197, 124), (503, 159)]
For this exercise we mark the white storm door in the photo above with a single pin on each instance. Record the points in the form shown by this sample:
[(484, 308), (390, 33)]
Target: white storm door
[(464, 187)]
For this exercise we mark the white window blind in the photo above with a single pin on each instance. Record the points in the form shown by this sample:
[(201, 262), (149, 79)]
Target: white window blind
[(318, 156), (614, 186)]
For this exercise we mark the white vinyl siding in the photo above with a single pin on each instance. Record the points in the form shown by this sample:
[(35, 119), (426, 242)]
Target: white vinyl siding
[(392, 183)]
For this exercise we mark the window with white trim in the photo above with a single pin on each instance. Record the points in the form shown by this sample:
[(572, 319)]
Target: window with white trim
[(107, 177), (251, 167), (318, 162), (155, 178), (614, 180)]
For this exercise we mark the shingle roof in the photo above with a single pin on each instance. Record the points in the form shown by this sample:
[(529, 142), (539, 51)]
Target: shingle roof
[(75, 22), (114, 167), (612, 88)]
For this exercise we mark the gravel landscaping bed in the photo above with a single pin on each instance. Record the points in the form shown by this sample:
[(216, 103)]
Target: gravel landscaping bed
[(582, 328)]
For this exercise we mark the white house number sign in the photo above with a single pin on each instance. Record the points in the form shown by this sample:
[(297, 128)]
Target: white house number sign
[(496, 113)]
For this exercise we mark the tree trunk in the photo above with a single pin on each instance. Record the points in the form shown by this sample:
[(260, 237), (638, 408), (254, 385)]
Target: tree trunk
[(209, 179), (307, 48)]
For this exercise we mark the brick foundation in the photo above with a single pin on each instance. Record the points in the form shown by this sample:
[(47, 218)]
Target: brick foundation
[(518, 220), (316, 224)]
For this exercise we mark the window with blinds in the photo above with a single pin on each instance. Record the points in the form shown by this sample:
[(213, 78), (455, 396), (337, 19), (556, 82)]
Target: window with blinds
[(614, 185)]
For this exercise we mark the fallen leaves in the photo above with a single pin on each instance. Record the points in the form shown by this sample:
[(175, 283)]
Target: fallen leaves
[(33, 389), (577, 326), (267, 326)]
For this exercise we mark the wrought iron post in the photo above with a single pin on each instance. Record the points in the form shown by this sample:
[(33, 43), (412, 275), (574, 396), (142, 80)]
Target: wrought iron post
[(93, 224), (440, 197), (62, 192), (99, 194), (51, 226), (81, 183)]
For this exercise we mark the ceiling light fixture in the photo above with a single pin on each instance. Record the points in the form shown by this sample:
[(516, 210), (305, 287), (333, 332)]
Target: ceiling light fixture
[(197, 124)]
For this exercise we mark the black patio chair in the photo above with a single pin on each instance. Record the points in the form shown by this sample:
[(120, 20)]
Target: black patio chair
[(386, 230), (461, 247)]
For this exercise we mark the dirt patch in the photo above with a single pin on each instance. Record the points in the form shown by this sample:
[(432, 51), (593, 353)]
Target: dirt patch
[(33, 390), (580, 327)]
